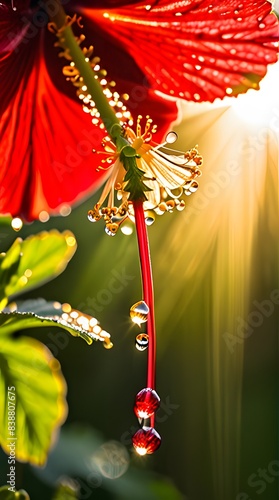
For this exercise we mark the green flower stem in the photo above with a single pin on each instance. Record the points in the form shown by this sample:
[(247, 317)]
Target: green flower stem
[(94, 88)]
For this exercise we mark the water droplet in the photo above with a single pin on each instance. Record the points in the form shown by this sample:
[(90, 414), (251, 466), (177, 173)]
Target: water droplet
[(111, 228), (171, 137), (109, 233), (146, 440), (107, 345), (213, 31), (194, 186), (139, 312), (146, 403), (149, 218), (181, 206), (16, 224), (93, 215), (127, 228), (141, 341)]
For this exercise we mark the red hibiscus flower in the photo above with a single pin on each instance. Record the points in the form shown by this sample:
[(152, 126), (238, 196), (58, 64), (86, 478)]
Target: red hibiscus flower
[(191, 49)]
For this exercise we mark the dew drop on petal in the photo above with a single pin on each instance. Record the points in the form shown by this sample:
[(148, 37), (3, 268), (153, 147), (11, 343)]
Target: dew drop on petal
[(146, 441), (171, 137), (139, 312), (146, 403), (141, 341)]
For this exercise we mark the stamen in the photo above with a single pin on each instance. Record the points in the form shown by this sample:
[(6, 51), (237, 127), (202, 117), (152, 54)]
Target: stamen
[(73, 75), (168, 176)]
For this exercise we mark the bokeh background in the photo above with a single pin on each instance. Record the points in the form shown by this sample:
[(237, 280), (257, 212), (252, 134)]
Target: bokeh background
[(215, 271)]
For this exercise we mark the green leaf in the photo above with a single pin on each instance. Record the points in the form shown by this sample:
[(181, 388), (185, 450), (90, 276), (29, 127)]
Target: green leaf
[(39, 306), (6, 493), (11, 322), (32, 391), (34, 261), (9, 264)]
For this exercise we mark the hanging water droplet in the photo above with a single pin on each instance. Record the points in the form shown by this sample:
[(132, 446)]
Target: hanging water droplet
[(127, 228), (109, 233), (149, 218), (171, 137), (146, 440), (139, 312), (181, 205), (141, 341), (107, 345), (146, 403), (111, 228), (93, 215), (194, 186)]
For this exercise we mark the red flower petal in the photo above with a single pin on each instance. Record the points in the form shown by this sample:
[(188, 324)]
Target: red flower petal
[(195, 49), (46, 139)]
